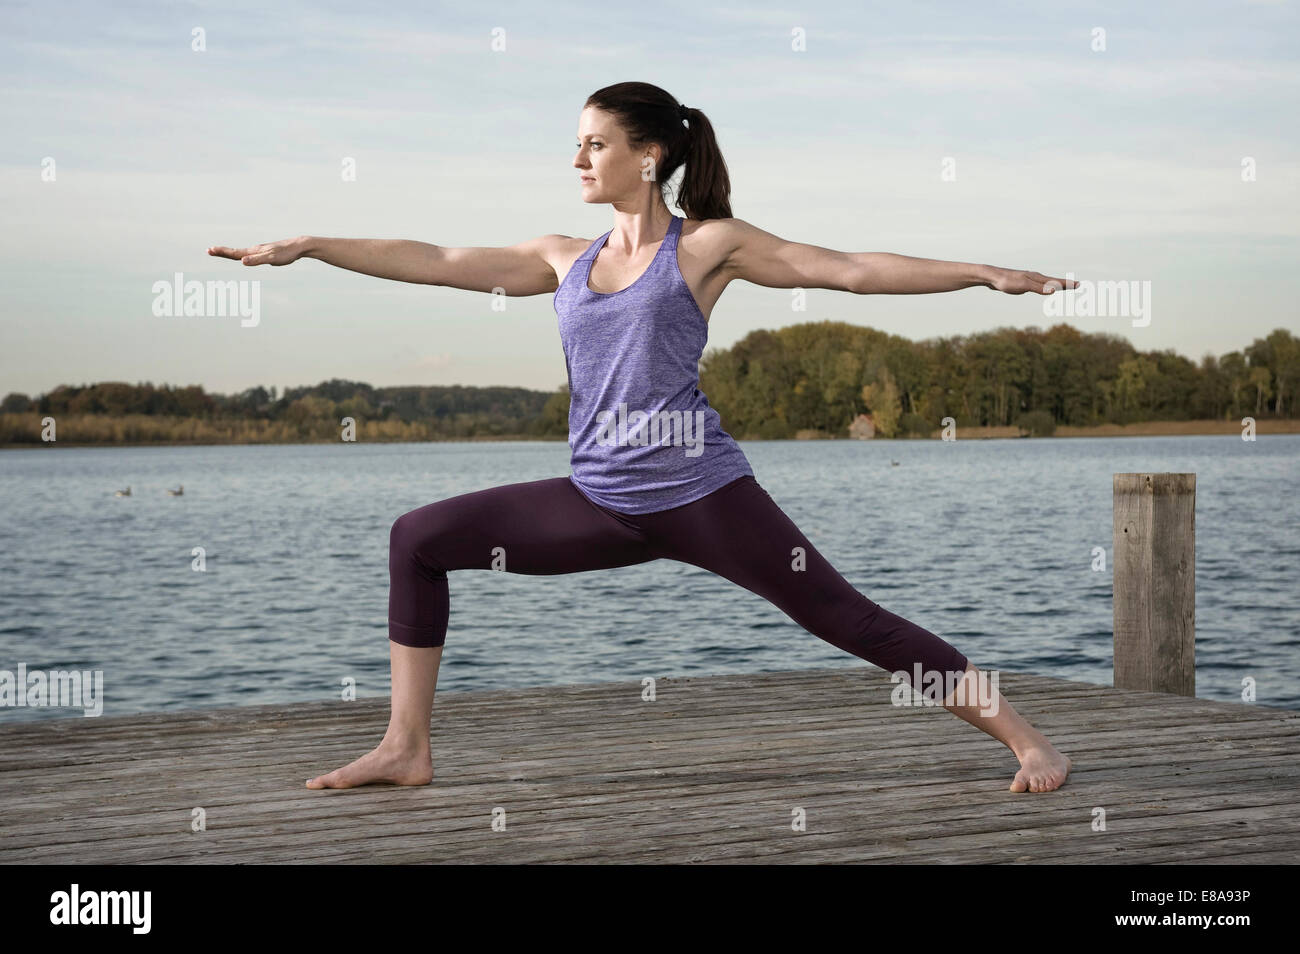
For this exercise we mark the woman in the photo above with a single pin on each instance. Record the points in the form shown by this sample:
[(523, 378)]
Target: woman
[(653, 473)]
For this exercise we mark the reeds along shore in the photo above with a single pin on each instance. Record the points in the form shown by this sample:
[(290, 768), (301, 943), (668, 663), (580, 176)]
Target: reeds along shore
[(19, 430), (24, 430)]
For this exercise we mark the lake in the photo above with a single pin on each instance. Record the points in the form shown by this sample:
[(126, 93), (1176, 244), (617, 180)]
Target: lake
[(987, 543)]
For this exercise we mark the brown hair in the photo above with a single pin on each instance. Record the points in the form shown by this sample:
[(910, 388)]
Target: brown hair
[(649, 114)]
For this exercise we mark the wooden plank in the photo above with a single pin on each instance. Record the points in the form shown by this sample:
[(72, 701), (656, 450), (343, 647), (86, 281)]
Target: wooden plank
[(709, 772), (1154, 582)]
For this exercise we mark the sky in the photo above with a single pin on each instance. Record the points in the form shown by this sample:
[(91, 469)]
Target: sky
[(1101, 140)]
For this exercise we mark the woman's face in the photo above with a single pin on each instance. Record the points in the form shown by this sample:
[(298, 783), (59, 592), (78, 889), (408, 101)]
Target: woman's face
[(610, 169)]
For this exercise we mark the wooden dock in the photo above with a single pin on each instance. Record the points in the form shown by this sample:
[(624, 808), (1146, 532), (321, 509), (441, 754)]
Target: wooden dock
[(713, 770)]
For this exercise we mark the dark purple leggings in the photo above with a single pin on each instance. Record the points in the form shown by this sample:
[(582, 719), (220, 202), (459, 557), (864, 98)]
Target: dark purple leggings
[(545, 527)]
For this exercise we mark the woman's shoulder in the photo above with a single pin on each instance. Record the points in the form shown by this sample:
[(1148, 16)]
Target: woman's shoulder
[(713, 239), (716, 229)]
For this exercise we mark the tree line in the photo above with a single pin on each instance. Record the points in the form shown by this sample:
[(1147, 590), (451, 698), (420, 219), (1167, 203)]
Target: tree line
[(809, 377), (819, 376), (116, 411)]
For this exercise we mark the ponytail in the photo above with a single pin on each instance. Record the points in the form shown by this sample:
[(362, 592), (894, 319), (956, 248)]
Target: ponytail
[(649, 114)]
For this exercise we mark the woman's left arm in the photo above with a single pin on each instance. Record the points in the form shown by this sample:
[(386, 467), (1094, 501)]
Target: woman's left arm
[(764, 259)]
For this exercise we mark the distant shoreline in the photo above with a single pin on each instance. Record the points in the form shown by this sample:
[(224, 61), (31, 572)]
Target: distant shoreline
[(1263, 426), (1145, 429)]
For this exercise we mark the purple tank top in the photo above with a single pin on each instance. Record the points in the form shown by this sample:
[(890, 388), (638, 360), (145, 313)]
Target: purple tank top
[(642, 434)]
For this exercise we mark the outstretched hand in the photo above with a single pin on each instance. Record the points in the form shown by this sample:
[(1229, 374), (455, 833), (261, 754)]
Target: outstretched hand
[(1016, 282), (283, 252)]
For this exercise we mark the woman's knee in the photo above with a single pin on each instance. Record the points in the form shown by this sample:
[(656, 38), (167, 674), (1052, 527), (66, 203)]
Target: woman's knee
[(418, 532)]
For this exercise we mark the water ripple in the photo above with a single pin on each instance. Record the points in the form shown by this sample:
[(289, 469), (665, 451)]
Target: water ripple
[(95, 582)]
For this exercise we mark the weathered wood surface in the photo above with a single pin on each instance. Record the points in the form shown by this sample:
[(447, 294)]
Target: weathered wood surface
[(709, 772), (1154, 582)]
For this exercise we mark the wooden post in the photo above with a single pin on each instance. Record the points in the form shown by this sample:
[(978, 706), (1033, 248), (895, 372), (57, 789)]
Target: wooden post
[(1154, 580)]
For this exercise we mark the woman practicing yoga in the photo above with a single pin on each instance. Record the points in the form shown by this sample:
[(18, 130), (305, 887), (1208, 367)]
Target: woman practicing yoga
[(654, 475)]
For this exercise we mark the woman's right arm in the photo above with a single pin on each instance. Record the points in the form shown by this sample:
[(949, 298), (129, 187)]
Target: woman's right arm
[(518, 270)]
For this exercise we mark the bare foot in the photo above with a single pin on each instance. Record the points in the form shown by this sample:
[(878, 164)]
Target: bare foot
[(386, 763), (1042, 769)]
